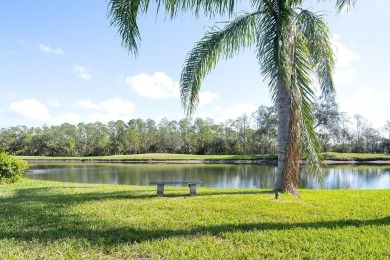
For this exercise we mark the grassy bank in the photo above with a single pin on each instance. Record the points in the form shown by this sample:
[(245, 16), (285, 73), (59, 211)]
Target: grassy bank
[(356, 156), (158, 157), (189, 157), (50, 220)]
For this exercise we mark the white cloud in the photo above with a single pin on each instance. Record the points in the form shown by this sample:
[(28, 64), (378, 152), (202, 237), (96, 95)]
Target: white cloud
[(232, 112), (117, 106), (30, 108), (367, 101), (87, 104), (111, 109), (70, 118), (82, 71), (54, 103), (359, 102), (345, 57), (207, 97), (50, 50), (157, 86), (344, 76), (238, 110)]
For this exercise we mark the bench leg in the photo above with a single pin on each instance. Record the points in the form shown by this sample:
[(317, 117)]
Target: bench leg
[(160, 190), (192, 189)]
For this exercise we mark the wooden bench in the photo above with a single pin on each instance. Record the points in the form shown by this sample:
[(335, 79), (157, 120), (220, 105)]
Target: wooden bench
[(160, 186)]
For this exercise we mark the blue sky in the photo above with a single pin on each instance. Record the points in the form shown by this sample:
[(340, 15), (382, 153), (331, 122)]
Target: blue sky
[(62, 62)]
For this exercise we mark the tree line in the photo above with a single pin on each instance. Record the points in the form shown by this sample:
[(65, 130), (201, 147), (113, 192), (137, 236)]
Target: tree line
[(254, 134)]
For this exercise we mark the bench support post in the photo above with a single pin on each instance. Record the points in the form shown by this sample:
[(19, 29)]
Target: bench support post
[(192, 189), (160, 190)]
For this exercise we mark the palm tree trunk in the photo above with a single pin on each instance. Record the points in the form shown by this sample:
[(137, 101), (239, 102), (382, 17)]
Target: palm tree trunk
[(283, 103), (287, 175)]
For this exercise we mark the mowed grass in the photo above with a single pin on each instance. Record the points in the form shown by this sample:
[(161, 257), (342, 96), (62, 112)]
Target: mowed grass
[(356, 156), (158, 157), (170, 157), (52, 220)]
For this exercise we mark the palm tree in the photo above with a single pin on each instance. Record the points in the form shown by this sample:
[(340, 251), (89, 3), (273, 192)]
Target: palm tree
[(291, 44)]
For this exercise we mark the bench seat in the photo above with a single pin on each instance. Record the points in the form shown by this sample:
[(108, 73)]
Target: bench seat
[(161, 184)]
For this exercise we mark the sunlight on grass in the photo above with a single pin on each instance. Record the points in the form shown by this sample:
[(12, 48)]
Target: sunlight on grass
[(355, 156), (49, 220)]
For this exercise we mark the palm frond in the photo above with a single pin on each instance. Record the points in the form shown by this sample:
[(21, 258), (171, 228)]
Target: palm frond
[(124, 13), (124, 16), (303, 67), (315, 39), (274, 48), (217, 43), (317, 33), (345, 5), (210, 8)]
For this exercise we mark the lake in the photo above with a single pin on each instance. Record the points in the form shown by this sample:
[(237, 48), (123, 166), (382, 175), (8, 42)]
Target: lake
[(212, 175)]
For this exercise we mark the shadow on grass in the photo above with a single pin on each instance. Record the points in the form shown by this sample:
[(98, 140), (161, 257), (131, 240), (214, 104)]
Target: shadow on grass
[(46, 194), (233, 192), (39, 214), (213, 193)]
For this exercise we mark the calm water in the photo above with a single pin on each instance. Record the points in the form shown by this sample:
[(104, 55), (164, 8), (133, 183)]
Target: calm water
[(219, 176)]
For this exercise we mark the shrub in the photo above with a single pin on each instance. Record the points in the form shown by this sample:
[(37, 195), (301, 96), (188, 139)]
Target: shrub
[(11, 168)]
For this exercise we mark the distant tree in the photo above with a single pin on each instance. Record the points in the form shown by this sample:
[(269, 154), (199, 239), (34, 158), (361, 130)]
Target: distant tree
[(135, 128), (203, 131), (150, 143), (372, 139), (386, 143), (387, 128), (168, 136), (186, 136), (326, 112), (38, 144), (359, 126), (265, 136), (345, 134), (327, 119), (243, 124), (231, 137), (118, 134)]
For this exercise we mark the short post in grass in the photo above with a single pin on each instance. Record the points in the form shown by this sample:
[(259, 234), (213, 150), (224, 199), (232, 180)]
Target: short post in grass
[(192, 189), (276, 194), (160, 189)]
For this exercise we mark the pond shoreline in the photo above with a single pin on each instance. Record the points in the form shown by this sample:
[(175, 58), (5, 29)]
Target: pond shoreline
[(189, 161)]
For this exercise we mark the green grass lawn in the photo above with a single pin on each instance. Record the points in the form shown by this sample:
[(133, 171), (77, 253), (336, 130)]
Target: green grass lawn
[(52, 220), (356, 156), (157, 156)]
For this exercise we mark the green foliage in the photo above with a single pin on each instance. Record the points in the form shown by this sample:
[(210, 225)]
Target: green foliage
[(11, 168), (139, 136), (51, 220)]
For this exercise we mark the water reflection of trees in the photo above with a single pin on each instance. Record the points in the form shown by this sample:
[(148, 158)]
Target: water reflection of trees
[(219, 175), (350, 177)]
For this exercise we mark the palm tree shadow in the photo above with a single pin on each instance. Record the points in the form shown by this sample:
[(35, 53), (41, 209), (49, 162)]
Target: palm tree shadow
[(131, 235), (233, 192)]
